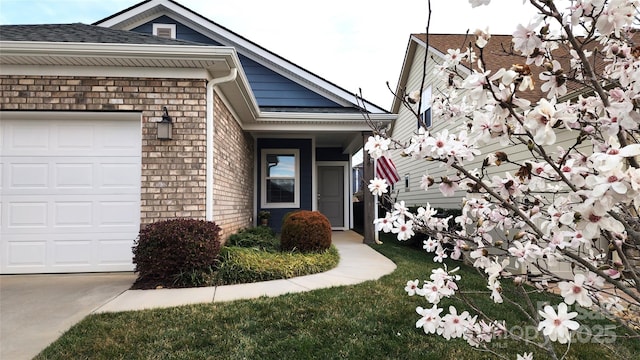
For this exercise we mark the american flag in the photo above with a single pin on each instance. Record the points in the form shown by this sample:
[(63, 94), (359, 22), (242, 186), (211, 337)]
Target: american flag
[(386, 169)]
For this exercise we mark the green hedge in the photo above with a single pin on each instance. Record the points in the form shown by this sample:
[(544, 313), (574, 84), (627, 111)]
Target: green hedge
[(261, 238), (245, 265)]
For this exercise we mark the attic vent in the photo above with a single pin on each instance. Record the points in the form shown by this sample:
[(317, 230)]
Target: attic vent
[(165, 30)]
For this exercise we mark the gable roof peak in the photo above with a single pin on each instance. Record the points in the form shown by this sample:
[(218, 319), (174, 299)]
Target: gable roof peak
[(144, 11)]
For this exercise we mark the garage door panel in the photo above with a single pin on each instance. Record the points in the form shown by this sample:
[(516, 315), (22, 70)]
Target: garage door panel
[(120, 139), (118, 213), (29, 255), (71, 175), (68, 138), (73, 253), (83, 252), (115, 251), (73, 214), (25, 138), (123, 176), (75, 137), (27, 215), (28, 175), (70, 192)]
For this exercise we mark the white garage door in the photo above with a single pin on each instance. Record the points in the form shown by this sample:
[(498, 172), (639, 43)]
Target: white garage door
[(70, 191)]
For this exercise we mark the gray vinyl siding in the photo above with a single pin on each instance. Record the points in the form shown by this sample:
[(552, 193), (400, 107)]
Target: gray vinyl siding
[(406, 127)]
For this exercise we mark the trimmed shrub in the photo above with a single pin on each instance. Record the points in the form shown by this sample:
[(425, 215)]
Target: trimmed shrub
[(305, 231), (177, 252), (261, 237), (246, 265)]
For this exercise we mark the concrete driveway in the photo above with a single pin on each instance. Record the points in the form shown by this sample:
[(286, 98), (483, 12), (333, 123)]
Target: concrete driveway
[(36, 309)]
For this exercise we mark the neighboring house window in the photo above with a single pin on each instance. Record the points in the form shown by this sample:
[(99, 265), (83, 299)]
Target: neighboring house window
[(406, 182), (165, 30), (425, 109), (280, 178)]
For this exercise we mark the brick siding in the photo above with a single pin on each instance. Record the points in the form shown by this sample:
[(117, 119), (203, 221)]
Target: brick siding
[(233, 172), (173, 180)]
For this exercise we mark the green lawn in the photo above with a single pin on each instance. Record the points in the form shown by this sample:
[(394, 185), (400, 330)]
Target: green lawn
[(372, 320)]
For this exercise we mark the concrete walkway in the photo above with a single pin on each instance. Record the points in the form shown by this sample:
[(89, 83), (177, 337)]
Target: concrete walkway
[(358, 263), (36, 309)]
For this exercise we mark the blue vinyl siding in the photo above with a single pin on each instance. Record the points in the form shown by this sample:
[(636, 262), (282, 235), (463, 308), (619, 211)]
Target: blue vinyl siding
[(269, 88), (331, 154), (306, 173)]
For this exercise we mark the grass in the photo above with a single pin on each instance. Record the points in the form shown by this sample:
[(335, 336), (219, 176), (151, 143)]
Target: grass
[(372, 320)]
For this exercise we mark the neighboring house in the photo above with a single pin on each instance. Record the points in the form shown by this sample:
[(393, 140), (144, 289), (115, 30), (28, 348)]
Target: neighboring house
[(83, 167), (406, 125)]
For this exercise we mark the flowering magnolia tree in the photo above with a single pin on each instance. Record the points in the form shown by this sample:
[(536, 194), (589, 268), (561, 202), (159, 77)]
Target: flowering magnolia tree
[(566, 218)]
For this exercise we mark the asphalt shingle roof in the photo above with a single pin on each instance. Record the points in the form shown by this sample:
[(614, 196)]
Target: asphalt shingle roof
[(81, 33), (499, 54)]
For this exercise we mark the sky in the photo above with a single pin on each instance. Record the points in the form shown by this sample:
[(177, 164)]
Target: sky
[(355, 44)]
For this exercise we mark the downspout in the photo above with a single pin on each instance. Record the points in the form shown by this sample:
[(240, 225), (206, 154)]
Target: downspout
[(211, 84)]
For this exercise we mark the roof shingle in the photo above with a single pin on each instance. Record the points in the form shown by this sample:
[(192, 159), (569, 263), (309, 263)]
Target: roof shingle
[(81, 33)]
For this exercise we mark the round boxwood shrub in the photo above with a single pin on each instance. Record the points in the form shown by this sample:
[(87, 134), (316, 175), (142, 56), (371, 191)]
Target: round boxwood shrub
[(169, 251), (305, 231)]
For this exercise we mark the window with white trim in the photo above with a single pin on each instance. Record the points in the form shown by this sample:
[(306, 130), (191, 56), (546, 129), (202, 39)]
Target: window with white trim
[(425, 109), (165, 30), (280, 183)]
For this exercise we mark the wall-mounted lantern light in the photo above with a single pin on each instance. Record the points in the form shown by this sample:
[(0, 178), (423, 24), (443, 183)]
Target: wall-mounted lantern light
[(165, 126)]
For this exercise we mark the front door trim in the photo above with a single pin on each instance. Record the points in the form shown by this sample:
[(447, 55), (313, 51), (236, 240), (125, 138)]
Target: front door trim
[(345, 187)]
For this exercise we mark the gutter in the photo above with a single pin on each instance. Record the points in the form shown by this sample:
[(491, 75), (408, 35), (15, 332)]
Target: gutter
[(211, 84)]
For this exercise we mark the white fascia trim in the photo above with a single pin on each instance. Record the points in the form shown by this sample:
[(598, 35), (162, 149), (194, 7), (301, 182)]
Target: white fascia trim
[(107, 71), (254, 52), (127, 15), (125, 51), (407, 63), (227, 103), (302, 128), (311, 122), (292, 116)]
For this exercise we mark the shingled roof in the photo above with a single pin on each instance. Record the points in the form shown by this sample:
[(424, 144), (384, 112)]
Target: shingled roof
[(82, 33), (499, 53)]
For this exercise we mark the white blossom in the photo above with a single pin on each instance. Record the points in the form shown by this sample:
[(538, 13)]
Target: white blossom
[(557, 326)]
